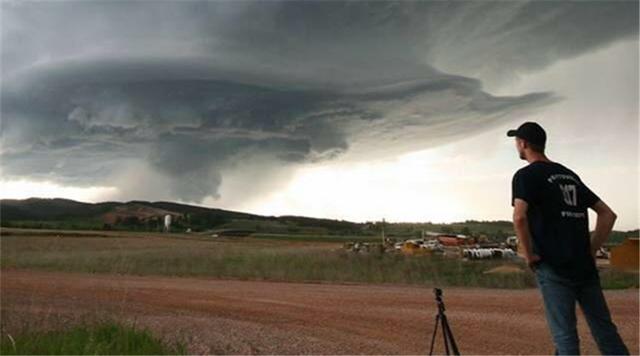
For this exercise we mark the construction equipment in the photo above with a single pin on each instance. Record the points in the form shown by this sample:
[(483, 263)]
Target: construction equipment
[(626, 257)]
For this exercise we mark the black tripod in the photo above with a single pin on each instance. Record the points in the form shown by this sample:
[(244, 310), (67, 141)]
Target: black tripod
[(446, 330)]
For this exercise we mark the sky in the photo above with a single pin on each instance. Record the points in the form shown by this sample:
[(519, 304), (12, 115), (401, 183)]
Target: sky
[(349, 110)]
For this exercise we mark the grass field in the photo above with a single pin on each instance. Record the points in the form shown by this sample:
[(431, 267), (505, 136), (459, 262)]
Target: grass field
[(267, 257), (105, 338)]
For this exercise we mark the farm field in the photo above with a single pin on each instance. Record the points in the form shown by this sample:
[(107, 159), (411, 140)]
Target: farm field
[(244, 295)]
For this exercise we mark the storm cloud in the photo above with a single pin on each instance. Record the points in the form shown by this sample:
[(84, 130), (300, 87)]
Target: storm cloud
[(187, 91)]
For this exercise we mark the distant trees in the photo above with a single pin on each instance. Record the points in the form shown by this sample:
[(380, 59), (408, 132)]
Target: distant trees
[(207, 220), (130, 221)]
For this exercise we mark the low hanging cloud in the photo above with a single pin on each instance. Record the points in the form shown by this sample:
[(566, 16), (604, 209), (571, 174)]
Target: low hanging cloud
[(186, 91)]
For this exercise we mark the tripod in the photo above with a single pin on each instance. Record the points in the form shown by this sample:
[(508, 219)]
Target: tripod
[(446, 330)]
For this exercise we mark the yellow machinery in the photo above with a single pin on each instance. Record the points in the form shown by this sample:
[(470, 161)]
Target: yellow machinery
[(414, 248), (626, 257)]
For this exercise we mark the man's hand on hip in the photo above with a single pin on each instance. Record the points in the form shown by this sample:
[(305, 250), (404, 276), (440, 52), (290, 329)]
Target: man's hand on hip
[(532, 260)]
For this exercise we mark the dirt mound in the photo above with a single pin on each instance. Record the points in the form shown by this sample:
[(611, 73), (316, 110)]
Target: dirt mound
[(505, 269)]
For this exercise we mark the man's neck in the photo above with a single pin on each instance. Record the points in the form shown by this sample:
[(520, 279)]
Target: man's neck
[(535, 157)]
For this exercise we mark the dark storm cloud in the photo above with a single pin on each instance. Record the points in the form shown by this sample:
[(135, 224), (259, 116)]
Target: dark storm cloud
[(192, 89)]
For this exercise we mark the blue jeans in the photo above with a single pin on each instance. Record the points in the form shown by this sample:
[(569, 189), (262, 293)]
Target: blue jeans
[(560, 295)]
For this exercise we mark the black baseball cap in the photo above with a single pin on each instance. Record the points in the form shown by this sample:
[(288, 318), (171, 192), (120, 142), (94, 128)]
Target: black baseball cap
[(531, 132)]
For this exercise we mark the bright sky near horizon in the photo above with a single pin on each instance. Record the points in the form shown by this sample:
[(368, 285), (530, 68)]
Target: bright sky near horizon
[(348, 114)]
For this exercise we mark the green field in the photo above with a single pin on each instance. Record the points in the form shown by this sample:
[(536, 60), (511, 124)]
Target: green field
[(265, 257)]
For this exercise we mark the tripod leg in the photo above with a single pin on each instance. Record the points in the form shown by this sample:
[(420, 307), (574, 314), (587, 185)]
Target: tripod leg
[(443, 320), (454, 346), (433, 338), (447, 330)]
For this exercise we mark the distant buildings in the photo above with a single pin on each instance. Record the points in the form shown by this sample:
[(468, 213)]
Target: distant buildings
[(455, 240)]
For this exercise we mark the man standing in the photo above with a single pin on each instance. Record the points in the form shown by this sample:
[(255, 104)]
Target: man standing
[(550, 219)]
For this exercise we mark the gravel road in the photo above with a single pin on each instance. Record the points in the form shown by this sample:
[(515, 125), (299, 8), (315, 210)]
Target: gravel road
[(255, 317)]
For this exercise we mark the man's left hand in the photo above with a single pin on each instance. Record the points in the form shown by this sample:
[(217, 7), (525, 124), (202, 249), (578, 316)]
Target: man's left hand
[(532, 261)]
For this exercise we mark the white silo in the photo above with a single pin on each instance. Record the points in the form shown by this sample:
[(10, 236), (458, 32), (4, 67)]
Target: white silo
[(167, 223)]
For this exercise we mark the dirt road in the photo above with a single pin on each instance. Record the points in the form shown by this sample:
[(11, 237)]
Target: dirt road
[(218, 316)]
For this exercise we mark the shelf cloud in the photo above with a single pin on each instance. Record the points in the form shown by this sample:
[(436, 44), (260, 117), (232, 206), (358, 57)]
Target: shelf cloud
[(186, 91)]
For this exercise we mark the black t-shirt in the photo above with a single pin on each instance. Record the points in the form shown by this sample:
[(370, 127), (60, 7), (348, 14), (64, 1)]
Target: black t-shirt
[(558, 219)]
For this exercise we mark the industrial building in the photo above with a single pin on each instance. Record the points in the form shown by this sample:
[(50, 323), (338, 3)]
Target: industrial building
[(626, 257), (455, 240)]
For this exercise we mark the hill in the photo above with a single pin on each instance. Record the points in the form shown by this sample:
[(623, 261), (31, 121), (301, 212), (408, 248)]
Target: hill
[(149, 216)]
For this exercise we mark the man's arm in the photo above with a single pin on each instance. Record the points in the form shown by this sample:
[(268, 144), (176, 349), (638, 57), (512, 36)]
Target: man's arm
[(521, 227), (604, 224)]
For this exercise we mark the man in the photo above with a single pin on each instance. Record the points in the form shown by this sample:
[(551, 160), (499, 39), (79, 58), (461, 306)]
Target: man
[(550, 219)]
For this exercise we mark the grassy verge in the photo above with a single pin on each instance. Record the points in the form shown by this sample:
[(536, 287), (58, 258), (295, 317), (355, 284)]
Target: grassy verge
[(248, 260), (612, 279), (108, 338), (259, 259)]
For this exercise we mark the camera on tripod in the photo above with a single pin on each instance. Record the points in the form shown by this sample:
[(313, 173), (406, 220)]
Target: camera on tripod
[(441, 319), (438, 293)]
